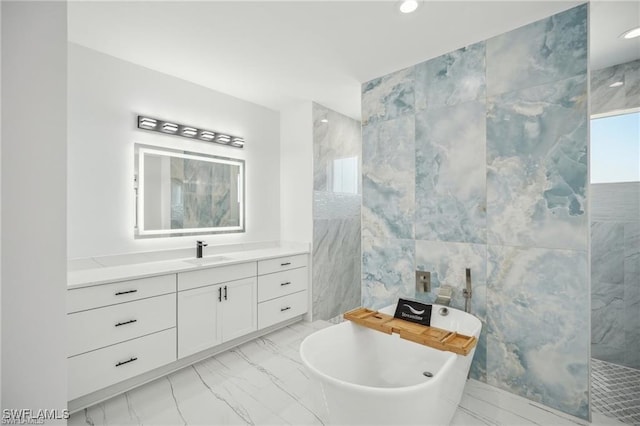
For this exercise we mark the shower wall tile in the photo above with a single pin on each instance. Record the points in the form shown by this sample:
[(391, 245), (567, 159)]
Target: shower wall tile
[(336, 267), (336, 258), (451, 173), (606, 99), (337, 138), (537, 166), (388, 182), (632, 294), (607, 252), (447, 263), (607, 322), (452, 78), (388, 97), (538, 311), (539, 53), (387, 271)]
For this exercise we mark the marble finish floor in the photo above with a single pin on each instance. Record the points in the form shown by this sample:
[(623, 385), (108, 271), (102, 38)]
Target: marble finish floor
[(615, 391), (263, 382)]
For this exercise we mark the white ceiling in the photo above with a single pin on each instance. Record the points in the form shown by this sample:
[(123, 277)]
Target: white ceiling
[(609, 19), (275, 53)]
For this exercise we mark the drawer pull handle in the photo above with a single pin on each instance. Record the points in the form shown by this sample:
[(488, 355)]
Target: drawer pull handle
[(225, 292), (285, 309), (126, 362), (287, 283), (285, 264), (126, 322), (126, 292), (219, 294)]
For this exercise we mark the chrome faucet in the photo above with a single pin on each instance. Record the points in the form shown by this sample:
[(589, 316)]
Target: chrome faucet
[(199, 246), (466, 292)]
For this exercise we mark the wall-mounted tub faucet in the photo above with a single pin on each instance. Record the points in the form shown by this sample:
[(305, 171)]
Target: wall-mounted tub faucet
[(444, 295), (466, 292), (199, 246)]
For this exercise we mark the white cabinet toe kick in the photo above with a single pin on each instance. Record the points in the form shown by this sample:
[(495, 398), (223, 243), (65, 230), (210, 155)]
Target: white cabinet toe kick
[(126, 333)]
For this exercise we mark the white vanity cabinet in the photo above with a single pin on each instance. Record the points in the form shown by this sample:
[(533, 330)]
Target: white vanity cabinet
[(119, 330), (282, 289), (215, 305)]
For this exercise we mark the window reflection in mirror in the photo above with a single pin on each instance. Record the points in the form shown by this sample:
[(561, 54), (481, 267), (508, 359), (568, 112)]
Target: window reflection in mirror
[(615, 148), (186, 193)]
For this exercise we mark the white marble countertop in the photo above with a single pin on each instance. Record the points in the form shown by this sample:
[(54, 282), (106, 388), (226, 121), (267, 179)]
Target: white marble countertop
[(90, 276)]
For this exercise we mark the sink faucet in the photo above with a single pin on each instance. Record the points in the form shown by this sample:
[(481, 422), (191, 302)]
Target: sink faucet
[(199, 246)]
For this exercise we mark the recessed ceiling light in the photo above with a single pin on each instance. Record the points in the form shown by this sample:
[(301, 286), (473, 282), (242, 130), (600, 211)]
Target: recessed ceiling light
[(408, 6), (616, 84), (324, 120), (632, 33)]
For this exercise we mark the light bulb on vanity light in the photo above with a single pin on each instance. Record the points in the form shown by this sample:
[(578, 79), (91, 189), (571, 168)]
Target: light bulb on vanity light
[(206, 135), (223, 138), (148, 123), (238, 141), (189, 131), (169, 127)]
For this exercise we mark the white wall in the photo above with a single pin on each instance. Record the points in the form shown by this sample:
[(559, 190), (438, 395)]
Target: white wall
[(105, 95), (296, 173), (34, 142)]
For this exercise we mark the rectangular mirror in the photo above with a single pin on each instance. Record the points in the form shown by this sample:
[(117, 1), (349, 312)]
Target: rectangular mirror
[(186, 193)]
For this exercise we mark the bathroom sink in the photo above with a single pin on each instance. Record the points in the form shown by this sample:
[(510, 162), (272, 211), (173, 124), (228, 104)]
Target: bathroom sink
[(209, 260)]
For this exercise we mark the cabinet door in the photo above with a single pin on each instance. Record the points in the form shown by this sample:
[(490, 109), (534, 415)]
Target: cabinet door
[(238, 310), (198, 327)]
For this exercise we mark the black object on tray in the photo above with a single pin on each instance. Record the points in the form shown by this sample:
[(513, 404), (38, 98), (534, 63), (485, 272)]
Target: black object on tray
[(412, 311)]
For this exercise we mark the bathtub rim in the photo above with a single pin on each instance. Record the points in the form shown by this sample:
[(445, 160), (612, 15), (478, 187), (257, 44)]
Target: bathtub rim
[(448, 365)]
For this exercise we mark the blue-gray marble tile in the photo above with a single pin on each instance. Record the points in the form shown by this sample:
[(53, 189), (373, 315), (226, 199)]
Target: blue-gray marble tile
[(537, 314), (447, 263), (537, 166), (451, 173), (615, 202), (452, 78), (388, 271), (388, 97), (607, 322), (548, 50), (632, 294), (388, 181), (607, 252)]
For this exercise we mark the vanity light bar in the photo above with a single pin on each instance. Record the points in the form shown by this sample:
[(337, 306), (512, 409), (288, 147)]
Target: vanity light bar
[(166, 127)]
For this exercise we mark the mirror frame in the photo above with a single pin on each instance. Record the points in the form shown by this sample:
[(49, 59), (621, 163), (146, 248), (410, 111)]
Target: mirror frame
[(140, 232)]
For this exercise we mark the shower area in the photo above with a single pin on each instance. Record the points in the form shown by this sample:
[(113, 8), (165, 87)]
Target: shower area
[(615, 241)]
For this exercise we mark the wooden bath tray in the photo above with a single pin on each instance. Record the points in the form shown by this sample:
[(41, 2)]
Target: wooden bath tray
[(434, 337)]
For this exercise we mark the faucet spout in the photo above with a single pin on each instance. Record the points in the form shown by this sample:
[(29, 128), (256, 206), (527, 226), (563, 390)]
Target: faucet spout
[(199, 246)]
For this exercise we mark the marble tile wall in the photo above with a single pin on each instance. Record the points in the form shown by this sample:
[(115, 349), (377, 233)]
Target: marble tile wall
[(478, 159), (615, 275), (336, 263), (605, 99)]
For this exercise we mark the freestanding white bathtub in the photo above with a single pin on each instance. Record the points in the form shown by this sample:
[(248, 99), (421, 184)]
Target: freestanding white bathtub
[(369, 377)]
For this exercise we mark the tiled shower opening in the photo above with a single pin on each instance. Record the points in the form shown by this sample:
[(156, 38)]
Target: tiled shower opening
[(615, 391)]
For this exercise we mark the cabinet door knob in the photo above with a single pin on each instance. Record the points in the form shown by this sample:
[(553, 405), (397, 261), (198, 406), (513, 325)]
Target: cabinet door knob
[(285, 309), (126, 292), (126, 362), (285, 264), (126, 322), (287, 283)]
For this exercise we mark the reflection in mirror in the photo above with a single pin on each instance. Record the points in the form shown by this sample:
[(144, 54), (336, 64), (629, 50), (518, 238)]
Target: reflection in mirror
[(186, 193)]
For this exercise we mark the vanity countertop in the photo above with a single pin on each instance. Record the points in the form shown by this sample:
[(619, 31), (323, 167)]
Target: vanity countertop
[(105, 274)]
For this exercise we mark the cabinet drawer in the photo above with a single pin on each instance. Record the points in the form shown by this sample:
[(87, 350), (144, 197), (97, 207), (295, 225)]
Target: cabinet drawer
[(221, 274), (283, 308), (98, 369), (81, 299), (97, 328), (280, 284), (282, 263)]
